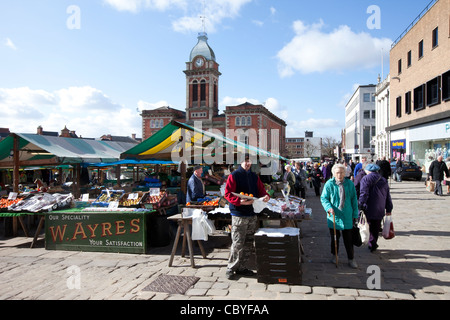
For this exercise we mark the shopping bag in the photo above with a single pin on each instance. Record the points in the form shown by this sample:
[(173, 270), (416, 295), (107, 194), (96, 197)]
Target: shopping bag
[(388, 228), (431, 186), (363, 226)]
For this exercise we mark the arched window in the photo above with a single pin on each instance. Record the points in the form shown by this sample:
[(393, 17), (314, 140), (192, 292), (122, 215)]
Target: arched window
[(195, 91), (203, 90), (152, 124), (161, 123), (238, 121), (249, 121)]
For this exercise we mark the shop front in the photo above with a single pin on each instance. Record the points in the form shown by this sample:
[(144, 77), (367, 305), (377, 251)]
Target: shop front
[(427, 142)]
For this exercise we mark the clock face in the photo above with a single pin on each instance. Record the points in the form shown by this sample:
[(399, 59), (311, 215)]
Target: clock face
[(199, 62)]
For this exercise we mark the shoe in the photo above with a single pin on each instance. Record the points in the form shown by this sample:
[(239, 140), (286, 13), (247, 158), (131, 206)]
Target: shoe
[(352, 263), (245, 272), (373, 248), (230, 274), (333, 259)]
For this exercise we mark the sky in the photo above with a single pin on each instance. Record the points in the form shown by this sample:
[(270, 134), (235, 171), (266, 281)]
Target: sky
[(94, 65)]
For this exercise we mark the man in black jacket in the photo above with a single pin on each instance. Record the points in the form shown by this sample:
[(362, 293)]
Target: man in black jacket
[(385, 168), (436, 173)]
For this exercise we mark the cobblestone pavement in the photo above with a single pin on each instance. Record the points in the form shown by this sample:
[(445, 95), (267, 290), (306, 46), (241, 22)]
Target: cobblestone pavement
[(415, 265)]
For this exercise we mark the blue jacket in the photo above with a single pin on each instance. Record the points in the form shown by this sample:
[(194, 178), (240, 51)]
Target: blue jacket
[(330, 200), (194, 189), (375, 197)]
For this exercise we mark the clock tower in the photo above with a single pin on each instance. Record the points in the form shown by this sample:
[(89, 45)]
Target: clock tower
[(202, 83)]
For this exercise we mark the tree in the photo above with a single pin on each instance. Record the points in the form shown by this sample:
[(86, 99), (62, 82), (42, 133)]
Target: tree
[(329, 144)]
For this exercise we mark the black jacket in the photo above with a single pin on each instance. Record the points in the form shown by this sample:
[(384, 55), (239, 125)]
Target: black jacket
[(437, 169), (385, 168)]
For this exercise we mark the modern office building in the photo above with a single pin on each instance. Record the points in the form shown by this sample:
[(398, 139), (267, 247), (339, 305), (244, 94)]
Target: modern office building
[(360, 124)]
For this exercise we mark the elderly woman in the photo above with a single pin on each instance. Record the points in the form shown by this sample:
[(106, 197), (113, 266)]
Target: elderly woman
[(375, 200), (339, 200)]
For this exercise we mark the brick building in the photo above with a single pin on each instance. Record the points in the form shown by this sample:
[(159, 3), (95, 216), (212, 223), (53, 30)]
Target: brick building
[(244, 123), (420, 87)]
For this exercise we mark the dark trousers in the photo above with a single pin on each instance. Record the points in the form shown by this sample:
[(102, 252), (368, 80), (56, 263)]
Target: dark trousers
[(374, 229), (300, 192), (348, 242), (438, 189)]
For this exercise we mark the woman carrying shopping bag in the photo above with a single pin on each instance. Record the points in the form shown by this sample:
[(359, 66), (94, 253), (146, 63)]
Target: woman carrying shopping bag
[(339, 201), (375, 200)]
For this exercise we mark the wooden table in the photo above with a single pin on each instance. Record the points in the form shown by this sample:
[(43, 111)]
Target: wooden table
[(184, 223)]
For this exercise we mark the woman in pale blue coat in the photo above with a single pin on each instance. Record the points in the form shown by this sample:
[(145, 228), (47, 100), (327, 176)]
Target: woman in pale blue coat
[(339, 199)]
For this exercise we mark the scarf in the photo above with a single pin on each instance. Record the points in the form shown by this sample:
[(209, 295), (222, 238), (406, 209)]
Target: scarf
[(341, 194)]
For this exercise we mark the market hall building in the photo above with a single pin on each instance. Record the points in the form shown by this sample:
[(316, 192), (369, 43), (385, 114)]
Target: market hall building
[(202, 105), (420, 88)]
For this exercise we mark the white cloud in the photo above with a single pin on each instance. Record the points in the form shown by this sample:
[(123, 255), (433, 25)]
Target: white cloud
[(143, 105), (86, 110), (10, 44), (135, 6), (313, 50), (214, 10)]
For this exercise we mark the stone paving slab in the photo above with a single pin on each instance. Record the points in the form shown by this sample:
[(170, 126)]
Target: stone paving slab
[(415, 265)]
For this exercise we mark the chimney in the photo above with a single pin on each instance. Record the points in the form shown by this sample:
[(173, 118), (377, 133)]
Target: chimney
[(133, 136), (40, 130)]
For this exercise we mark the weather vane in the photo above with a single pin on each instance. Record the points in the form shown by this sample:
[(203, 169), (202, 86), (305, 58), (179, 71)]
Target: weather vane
[(203, 17)]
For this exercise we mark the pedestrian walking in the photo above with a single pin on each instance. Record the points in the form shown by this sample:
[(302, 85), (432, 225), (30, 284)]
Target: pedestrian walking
[(243, 217), (436, 173), (317, 178), (300, 180), (447, 181), (339, 201), (359, 166), (375, 200), (385, 168), (398, 170)]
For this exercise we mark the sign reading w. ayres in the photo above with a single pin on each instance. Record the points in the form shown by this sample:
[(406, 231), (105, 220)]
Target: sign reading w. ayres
[(105, 232)]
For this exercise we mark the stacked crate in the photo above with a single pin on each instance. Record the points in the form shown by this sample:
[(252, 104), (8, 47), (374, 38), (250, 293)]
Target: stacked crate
[(278, 256)]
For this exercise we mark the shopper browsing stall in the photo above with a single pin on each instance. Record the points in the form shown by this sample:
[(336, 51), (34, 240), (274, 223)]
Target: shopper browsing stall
[(243, 217)]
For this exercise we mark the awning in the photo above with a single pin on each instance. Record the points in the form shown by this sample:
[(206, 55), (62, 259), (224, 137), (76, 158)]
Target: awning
[(129, 162), (47, 150), (168, 143)]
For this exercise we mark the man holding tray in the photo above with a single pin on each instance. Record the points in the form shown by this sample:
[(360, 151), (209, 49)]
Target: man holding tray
[(243, 217)]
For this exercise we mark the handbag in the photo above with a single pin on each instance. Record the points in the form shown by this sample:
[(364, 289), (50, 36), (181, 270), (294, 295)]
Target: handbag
[(363, 226), (388, 228), (356, 237)]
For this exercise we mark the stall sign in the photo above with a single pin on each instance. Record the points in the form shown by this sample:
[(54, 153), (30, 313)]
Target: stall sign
[(102, 232)]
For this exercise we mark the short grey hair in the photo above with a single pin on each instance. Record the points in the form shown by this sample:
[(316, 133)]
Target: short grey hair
[(288, 166), (338, 167)]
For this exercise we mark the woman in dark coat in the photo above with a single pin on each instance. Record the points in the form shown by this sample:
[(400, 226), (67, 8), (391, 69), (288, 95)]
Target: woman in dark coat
[(317, 178), (375, 200)]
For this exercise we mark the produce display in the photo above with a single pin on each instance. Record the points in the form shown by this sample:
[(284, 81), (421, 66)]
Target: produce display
[(42, 202), (205, 202), (108, 196), (5, 202), (155, 201)]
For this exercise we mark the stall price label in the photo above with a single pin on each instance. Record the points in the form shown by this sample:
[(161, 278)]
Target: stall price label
[(12, 196), (113, 205), (85, 197)]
